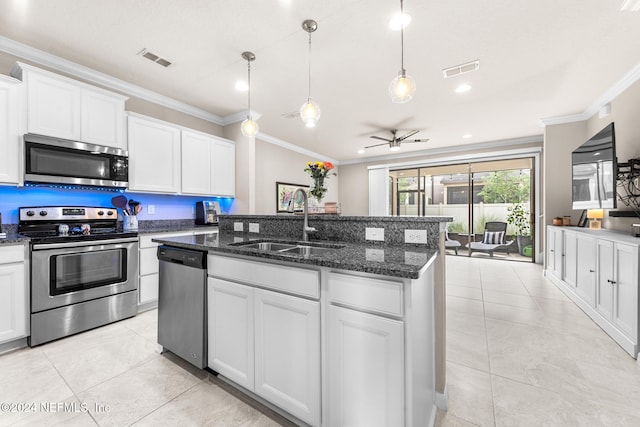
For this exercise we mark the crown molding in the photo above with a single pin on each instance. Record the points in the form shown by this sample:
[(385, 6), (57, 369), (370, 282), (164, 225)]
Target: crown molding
[(57, 63), (489, 145), (291, 147), (610, 94), (239, 117)]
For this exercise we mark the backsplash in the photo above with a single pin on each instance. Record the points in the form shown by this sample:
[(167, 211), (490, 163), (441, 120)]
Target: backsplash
[(338, 228), (167, 206)]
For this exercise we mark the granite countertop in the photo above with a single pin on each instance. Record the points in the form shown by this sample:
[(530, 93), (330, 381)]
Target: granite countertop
[(175, 228), (13, 239), (406, 261)]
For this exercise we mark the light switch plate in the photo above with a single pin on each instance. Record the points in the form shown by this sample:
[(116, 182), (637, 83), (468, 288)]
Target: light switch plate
[(374, 234), (151, 209), (237, 226), (415, 236), (254, 227)]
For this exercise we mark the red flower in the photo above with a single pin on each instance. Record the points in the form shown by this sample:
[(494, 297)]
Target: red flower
[(328, 166)]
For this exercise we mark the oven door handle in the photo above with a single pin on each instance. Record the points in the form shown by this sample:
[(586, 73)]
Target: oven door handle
[(76, 244)]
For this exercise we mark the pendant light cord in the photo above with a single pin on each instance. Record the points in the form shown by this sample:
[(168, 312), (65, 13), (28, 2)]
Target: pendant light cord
[(401, 37), (249, 90), (309, 65)]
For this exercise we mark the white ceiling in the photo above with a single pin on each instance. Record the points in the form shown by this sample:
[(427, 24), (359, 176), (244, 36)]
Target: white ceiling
[(538, 58)]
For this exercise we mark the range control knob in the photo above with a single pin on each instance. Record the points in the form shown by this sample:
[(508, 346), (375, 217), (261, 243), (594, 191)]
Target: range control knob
[(110, 213), (100, 213), (43, 213), (30, 213)]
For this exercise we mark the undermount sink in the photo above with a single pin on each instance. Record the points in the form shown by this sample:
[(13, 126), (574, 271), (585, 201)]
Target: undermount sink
[(307, 250), (293, 248)]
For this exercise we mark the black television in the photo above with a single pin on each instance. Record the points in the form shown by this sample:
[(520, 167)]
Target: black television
[(594, 170)]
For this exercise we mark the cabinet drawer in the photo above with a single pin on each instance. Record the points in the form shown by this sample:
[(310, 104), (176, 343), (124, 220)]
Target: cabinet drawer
[(297, 281), (12, 253), (363, 293)]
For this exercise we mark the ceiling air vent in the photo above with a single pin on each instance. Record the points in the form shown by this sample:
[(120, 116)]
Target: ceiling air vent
[(155, 58), (461, 69)]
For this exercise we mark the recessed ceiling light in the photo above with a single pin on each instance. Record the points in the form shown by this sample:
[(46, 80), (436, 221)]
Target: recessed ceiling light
[(241, 86), (361, 151), (399, 20), (467, 135), (464, 87)]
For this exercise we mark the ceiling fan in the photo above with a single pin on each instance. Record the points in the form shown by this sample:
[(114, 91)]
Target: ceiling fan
[(395, 141)]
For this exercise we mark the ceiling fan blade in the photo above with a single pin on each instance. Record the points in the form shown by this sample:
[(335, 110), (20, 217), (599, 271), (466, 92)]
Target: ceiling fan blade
[(408, 135), (416, 140), (377, 145), (381, 138)]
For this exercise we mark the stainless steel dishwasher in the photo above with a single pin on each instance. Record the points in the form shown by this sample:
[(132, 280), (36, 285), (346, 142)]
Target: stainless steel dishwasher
[(182, 303)]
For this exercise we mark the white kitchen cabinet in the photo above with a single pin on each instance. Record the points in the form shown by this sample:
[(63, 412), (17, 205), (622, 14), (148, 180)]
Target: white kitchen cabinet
[(262, 339), (13, 293), (154, 155), (554, 251), (230, 331), (66, 108), (223, 168), (208, 165), (366, 369), (287, 353), (604, 286), (9, 133), (586, 268), (569, 257), (607, 280)]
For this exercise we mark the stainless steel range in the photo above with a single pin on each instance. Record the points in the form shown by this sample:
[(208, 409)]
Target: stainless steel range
[(83, 270)]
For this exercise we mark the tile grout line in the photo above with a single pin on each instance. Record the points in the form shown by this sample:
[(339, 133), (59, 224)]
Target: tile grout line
[(486, 337)]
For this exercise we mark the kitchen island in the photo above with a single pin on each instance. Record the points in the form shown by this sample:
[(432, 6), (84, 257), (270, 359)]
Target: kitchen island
[(343, 334)]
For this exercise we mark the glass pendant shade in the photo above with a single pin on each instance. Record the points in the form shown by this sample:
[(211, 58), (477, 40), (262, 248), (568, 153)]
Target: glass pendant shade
[(402, 88), (310, 113), (249, 127)]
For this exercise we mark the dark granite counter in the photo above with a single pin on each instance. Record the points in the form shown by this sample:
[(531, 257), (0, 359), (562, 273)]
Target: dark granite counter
[(13, 239), (406, 261)]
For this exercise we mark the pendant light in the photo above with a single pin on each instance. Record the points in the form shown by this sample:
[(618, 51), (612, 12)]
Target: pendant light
[(403, 86), (249, 127), (310, 110)]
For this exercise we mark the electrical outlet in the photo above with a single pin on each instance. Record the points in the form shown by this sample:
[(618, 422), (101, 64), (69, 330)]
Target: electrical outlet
[(374, 234), (151, 209), (415, 236), (254, 227), (238, 226)]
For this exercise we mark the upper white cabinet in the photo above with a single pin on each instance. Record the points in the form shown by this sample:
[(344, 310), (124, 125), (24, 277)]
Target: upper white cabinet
[(9, 134), (606, 279), (154, 155), (13, 293), (65, 108), (208, 165)]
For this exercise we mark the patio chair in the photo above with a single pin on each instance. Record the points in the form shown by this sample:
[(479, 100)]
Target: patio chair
[(493, 239), (450, 243)]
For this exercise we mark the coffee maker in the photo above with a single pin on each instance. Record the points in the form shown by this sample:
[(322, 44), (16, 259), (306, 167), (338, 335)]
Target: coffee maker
[(207, 213)]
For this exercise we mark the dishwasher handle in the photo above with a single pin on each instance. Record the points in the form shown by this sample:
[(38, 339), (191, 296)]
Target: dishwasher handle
[(186, 257)]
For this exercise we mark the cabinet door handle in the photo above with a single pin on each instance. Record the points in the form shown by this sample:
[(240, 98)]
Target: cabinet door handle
[(591, 271), (551, 250), (611, 281)]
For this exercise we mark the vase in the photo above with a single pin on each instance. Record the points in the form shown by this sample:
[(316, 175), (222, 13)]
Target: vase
[(318, 191)]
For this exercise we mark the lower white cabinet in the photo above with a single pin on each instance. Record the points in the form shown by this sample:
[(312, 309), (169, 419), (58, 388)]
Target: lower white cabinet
[(267, 342), (554, 251), (13, 293), (606, 281), (569, 257), (366, 369)]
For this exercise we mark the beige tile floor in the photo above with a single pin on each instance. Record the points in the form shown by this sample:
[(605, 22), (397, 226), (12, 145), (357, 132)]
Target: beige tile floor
[(519, 353)]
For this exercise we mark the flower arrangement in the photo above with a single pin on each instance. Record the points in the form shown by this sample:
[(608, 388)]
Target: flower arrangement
[(319, 171)]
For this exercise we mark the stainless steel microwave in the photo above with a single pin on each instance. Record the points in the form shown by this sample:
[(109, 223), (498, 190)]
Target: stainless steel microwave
[(61, 161)]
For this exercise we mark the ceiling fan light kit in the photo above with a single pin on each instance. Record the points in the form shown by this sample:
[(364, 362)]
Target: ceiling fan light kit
[(249, 127), (403, 86), (310, 110)]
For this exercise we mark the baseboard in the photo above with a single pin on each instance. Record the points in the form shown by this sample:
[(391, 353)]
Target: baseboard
[(13, 345), (442, 399)]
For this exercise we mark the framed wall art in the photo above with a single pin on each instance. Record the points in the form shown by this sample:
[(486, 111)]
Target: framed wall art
[(284, 194)]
